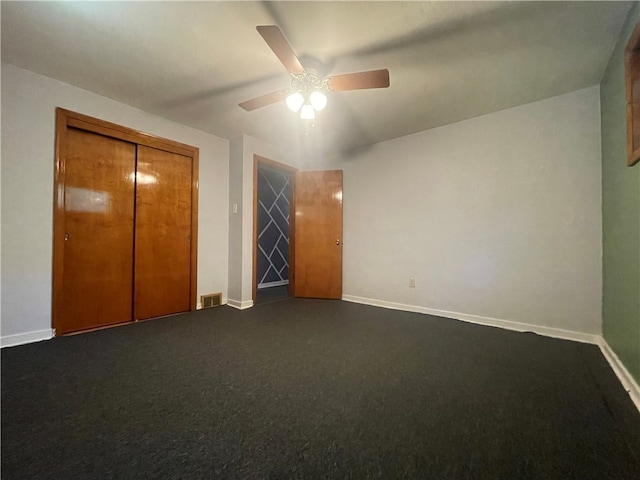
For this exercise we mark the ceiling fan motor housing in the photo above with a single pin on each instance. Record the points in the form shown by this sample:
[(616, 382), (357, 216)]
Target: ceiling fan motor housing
[(308, 82)]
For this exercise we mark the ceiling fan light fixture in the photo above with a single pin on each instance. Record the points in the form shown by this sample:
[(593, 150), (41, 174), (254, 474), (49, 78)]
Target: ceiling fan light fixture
[(307, 112), (295, 101), (308, 91), (318, 100)]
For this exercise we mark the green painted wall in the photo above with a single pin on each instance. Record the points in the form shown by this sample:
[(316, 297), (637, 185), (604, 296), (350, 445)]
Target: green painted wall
[(621, 215)]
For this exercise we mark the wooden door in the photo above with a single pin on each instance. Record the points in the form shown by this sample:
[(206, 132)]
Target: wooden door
[(162, 233), (98, 232), (318, 234)]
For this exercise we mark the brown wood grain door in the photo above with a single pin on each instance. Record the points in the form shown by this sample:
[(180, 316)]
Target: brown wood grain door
[(318, 234), (162, 233), (98, 232)]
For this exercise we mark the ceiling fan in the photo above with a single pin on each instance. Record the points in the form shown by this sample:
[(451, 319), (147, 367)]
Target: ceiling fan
[(308, 90)]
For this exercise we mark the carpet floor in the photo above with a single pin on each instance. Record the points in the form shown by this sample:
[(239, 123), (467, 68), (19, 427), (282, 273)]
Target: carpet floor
[(313, 389), (271, 294)]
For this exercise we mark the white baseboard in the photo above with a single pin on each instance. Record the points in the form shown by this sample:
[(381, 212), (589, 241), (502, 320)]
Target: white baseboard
[(279, 283), (625, 377), (28, 337), (492, 322), (240, 305)]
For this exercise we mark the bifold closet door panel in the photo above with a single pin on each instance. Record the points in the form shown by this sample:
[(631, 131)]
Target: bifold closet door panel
[(163, 234), (98, 220)]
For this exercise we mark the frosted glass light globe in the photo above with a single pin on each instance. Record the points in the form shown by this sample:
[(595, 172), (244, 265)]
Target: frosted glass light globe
[(295, 101), (318, 100), (307, 112)]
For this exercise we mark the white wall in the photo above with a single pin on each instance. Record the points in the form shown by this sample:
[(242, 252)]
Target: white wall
[(241, 156), (28, 133), (496, 218)]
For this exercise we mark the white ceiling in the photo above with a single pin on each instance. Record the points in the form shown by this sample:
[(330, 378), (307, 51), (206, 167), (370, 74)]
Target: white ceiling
[(193, 62)]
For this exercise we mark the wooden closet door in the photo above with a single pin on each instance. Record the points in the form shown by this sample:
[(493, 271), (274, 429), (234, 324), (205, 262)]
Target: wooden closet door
[(162, 233), (97, 281)]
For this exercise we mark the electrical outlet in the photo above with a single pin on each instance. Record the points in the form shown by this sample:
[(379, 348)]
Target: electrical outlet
[(412, 283)]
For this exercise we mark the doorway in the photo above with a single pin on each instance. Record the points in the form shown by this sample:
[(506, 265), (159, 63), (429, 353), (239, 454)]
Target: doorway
[(273, 231)]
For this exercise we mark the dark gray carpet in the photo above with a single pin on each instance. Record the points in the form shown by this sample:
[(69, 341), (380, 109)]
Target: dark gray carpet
[(313, 389), (272, 294)]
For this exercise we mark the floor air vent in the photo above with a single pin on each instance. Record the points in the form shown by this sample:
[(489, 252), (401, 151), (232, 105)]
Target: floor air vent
[(211, 300)]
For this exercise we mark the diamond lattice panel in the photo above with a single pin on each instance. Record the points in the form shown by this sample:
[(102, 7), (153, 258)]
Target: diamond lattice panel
[(274, 192)]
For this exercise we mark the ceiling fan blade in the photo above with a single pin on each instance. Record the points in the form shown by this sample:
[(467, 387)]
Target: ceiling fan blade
[(276, 41), (360, 80), (263, 100)]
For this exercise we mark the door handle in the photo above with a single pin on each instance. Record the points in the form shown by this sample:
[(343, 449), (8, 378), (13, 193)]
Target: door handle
[(338, 241)]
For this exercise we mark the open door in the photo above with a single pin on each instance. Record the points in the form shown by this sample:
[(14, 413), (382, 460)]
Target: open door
[(318, 234), (276, 197)]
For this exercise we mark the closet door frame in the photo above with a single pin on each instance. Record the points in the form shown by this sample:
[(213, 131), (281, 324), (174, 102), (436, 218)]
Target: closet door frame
[(68, 119)]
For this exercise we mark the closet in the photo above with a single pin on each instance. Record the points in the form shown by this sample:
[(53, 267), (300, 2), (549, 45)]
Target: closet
[(125, 225)]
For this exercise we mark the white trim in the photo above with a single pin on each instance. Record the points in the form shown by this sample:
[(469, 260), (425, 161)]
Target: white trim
[(240, 305), (625, 377), (493, 322), (29, 337), (273, 284)]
